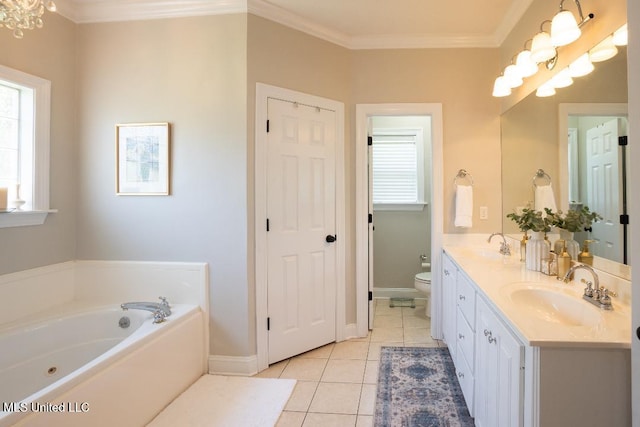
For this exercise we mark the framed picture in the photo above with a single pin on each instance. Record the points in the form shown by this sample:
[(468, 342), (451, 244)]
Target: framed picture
[(142, 159)]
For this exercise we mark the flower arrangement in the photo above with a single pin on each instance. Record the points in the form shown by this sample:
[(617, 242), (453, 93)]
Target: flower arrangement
[(574, 220), (531, 220)]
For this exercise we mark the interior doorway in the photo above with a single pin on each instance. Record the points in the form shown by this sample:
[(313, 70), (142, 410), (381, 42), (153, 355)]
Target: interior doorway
[(364, 221)]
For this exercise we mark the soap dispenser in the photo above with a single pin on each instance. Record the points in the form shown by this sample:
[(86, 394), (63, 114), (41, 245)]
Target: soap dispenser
[(564, 262), (585, 256)]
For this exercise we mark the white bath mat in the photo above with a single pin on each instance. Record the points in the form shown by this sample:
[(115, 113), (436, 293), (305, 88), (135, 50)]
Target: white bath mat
[(216, 400)]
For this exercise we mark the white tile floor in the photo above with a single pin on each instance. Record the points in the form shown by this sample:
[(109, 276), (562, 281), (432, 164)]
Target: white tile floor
[(337, 383)]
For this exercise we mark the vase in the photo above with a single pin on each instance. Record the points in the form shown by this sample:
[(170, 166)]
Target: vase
[(537, 250), (573, 247)]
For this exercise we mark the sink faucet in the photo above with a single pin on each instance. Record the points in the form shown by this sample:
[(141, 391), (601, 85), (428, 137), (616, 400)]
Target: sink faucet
[(160, 310), (504, 246), (593, 293)]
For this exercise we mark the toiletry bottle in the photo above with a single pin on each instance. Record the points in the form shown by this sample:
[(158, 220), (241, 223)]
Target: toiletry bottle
[(564, 262), (523, 247), (585, 256)]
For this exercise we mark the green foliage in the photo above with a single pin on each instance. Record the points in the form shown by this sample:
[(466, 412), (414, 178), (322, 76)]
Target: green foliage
[(574, 220), (531, 220)]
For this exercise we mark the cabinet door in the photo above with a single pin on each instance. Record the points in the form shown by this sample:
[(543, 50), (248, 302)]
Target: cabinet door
[(449, 275), (498, 379)]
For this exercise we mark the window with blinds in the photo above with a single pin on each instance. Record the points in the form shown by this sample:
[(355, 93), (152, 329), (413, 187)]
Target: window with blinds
[(398, 167)]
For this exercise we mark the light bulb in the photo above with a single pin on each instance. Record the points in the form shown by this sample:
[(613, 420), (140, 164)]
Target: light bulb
[(621, 36), (562, 79), (526, 66), (603, 50), (545, 90), (541, 48), (501, 88), (512, 76), (564, 29), (581, 66)]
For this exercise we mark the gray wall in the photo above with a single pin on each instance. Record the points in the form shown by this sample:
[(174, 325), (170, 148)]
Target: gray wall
[(49, 53), (400, 237), (190, 72)]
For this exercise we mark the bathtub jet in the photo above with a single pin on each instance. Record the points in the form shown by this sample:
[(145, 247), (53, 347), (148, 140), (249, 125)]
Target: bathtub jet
[(161, 310)]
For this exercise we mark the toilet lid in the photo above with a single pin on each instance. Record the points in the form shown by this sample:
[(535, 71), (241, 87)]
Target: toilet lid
[(424, 276)]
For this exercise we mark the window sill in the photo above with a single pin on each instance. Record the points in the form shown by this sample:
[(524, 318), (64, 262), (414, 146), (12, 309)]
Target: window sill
[(24, 218), (399, 206)]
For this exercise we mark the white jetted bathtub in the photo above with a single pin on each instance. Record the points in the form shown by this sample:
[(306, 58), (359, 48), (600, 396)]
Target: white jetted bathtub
[(81, 364)]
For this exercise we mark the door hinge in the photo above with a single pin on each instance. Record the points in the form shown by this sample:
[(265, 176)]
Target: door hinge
[(369, 140), (267, 126), (268, 323), (623, 140), (267, 224), (370, 218), (624, 219), (370, 296)]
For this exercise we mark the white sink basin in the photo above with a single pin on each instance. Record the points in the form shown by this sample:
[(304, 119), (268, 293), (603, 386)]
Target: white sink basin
[(553, 306)]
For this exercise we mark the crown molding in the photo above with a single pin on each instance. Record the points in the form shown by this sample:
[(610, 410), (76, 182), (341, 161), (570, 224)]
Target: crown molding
[(84, 12), (123, 10)]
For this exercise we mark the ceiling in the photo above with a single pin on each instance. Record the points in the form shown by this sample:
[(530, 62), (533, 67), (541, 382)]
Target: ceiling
[(355, 24)]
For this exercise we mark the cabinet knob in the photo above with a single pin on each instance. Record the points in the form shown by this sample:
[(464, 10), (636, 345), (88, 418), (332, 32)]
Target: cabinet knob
[(487, 332), (446, 272), (460, 375), (461, 336), (492, 339), (462, 297)]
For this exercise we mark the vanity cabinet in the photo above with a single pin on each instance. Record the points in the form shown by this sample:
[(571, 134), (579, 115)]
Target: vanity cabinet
[(489, 359), (449, 278), (499, 372)]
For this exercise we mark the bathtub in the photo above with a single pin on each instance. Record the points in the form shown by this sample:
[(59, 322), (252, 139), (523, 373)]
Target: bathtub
[(97, 365)]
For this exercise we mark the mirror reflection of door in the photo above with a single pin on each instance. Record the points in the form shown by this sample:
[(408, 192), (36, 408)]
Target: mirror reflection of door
[(596, 161)]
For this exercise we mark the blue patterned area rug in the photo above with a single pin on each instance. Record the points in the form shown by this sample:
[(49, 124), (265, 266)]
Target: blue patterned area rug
[(417, 387)]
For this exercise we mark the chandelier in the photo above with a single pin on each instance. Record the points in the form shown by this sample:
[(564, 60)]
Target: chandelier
[(19, 15)]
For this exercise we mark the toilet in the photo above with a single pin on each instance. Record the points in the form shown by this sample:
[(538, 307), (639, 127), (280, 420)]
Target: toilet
[(423, 284)]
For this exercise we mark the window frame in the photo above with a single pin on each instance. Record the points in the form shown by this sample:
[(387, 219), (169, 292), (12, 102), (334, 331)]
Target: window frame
[(37, 213)]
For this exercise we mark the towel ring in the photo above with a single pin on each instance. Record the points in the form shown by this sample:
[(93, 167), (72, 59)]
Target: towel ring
[(541, 174), (463, 174)]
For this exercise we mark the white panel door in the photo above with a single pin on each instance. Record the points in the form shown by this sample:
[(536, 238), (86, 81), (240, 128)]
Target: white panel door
[(301, 214), (604, 189)]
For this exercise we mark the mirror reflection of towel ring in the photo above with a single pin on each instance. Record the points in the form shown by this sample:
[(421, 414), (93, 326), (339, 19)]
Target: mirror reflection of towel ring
[(541, 174), (463, 174)]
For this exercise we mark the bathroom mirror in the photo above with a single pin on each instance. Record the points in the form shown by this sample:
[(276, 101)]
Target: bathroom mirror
[(532, 140)]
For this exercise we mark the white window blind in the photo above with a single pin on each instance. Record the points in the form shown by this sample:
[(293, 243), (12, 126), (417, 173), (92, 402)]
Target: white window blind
[(395, 169)]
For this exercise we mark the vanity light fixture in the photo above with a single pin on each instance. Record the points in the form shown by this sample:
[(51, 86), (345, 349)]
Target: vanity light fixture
[(564, 27), (562, 79), (512, 76), (581, 66), (501, 88), (541, 48), (526, 66), (621, 36), (546, 90), (603, 50), (19, 15)]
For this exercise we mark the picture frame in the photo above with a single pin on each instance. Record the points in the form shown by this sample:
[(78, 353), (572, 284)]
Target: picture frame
[(142, 159)]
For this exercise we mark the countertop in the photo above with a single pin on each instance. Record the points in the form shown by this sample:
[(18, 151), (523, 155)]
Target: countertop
[(574, 323)]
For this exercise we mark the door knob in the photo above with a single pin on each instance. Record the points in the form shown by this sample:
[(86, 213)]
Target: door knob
[(330, 238)]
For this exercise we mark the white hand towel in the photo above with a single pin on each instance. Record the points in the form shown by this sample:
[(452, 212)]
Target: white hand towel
[(464, 206), (544, 198)]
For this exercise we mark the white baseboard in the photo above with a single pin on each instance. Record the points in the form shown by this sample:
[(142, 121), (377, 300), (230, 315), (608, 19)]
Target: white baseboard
[(351, 331), (397, 293), (233, 365)]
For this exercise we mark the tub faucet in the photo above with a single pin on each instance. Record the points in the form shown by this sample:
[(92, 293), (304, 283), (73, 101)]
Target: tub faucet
[(596, 295), (160, 310), (504, 246)]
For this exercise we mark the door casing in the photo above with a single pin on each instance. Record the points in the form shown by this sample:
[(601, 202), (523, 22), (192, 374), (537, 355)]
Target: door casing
[(363, 112)]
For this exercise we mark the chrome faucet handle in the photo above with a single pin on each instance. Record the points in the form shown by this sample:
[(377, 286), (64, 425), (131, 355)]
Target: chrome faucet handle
[(164, 302), (158, 316), (505, 249), (588, 291)]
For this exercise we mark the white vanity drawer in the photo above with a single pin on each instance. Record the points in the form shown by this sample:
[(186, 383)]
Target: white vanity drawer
[(465, 338), (466, 298), (466, 380)]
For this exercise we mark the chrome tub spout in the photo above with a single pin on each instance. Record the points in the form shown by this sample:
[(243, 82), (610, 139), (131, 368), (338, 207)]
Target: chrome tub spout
[(161, 310)]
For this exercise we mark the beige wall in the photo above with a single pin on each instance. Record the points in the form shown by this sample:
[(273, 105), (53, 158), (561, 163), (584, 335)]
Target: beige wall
[(49, 53), (461, 80)]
